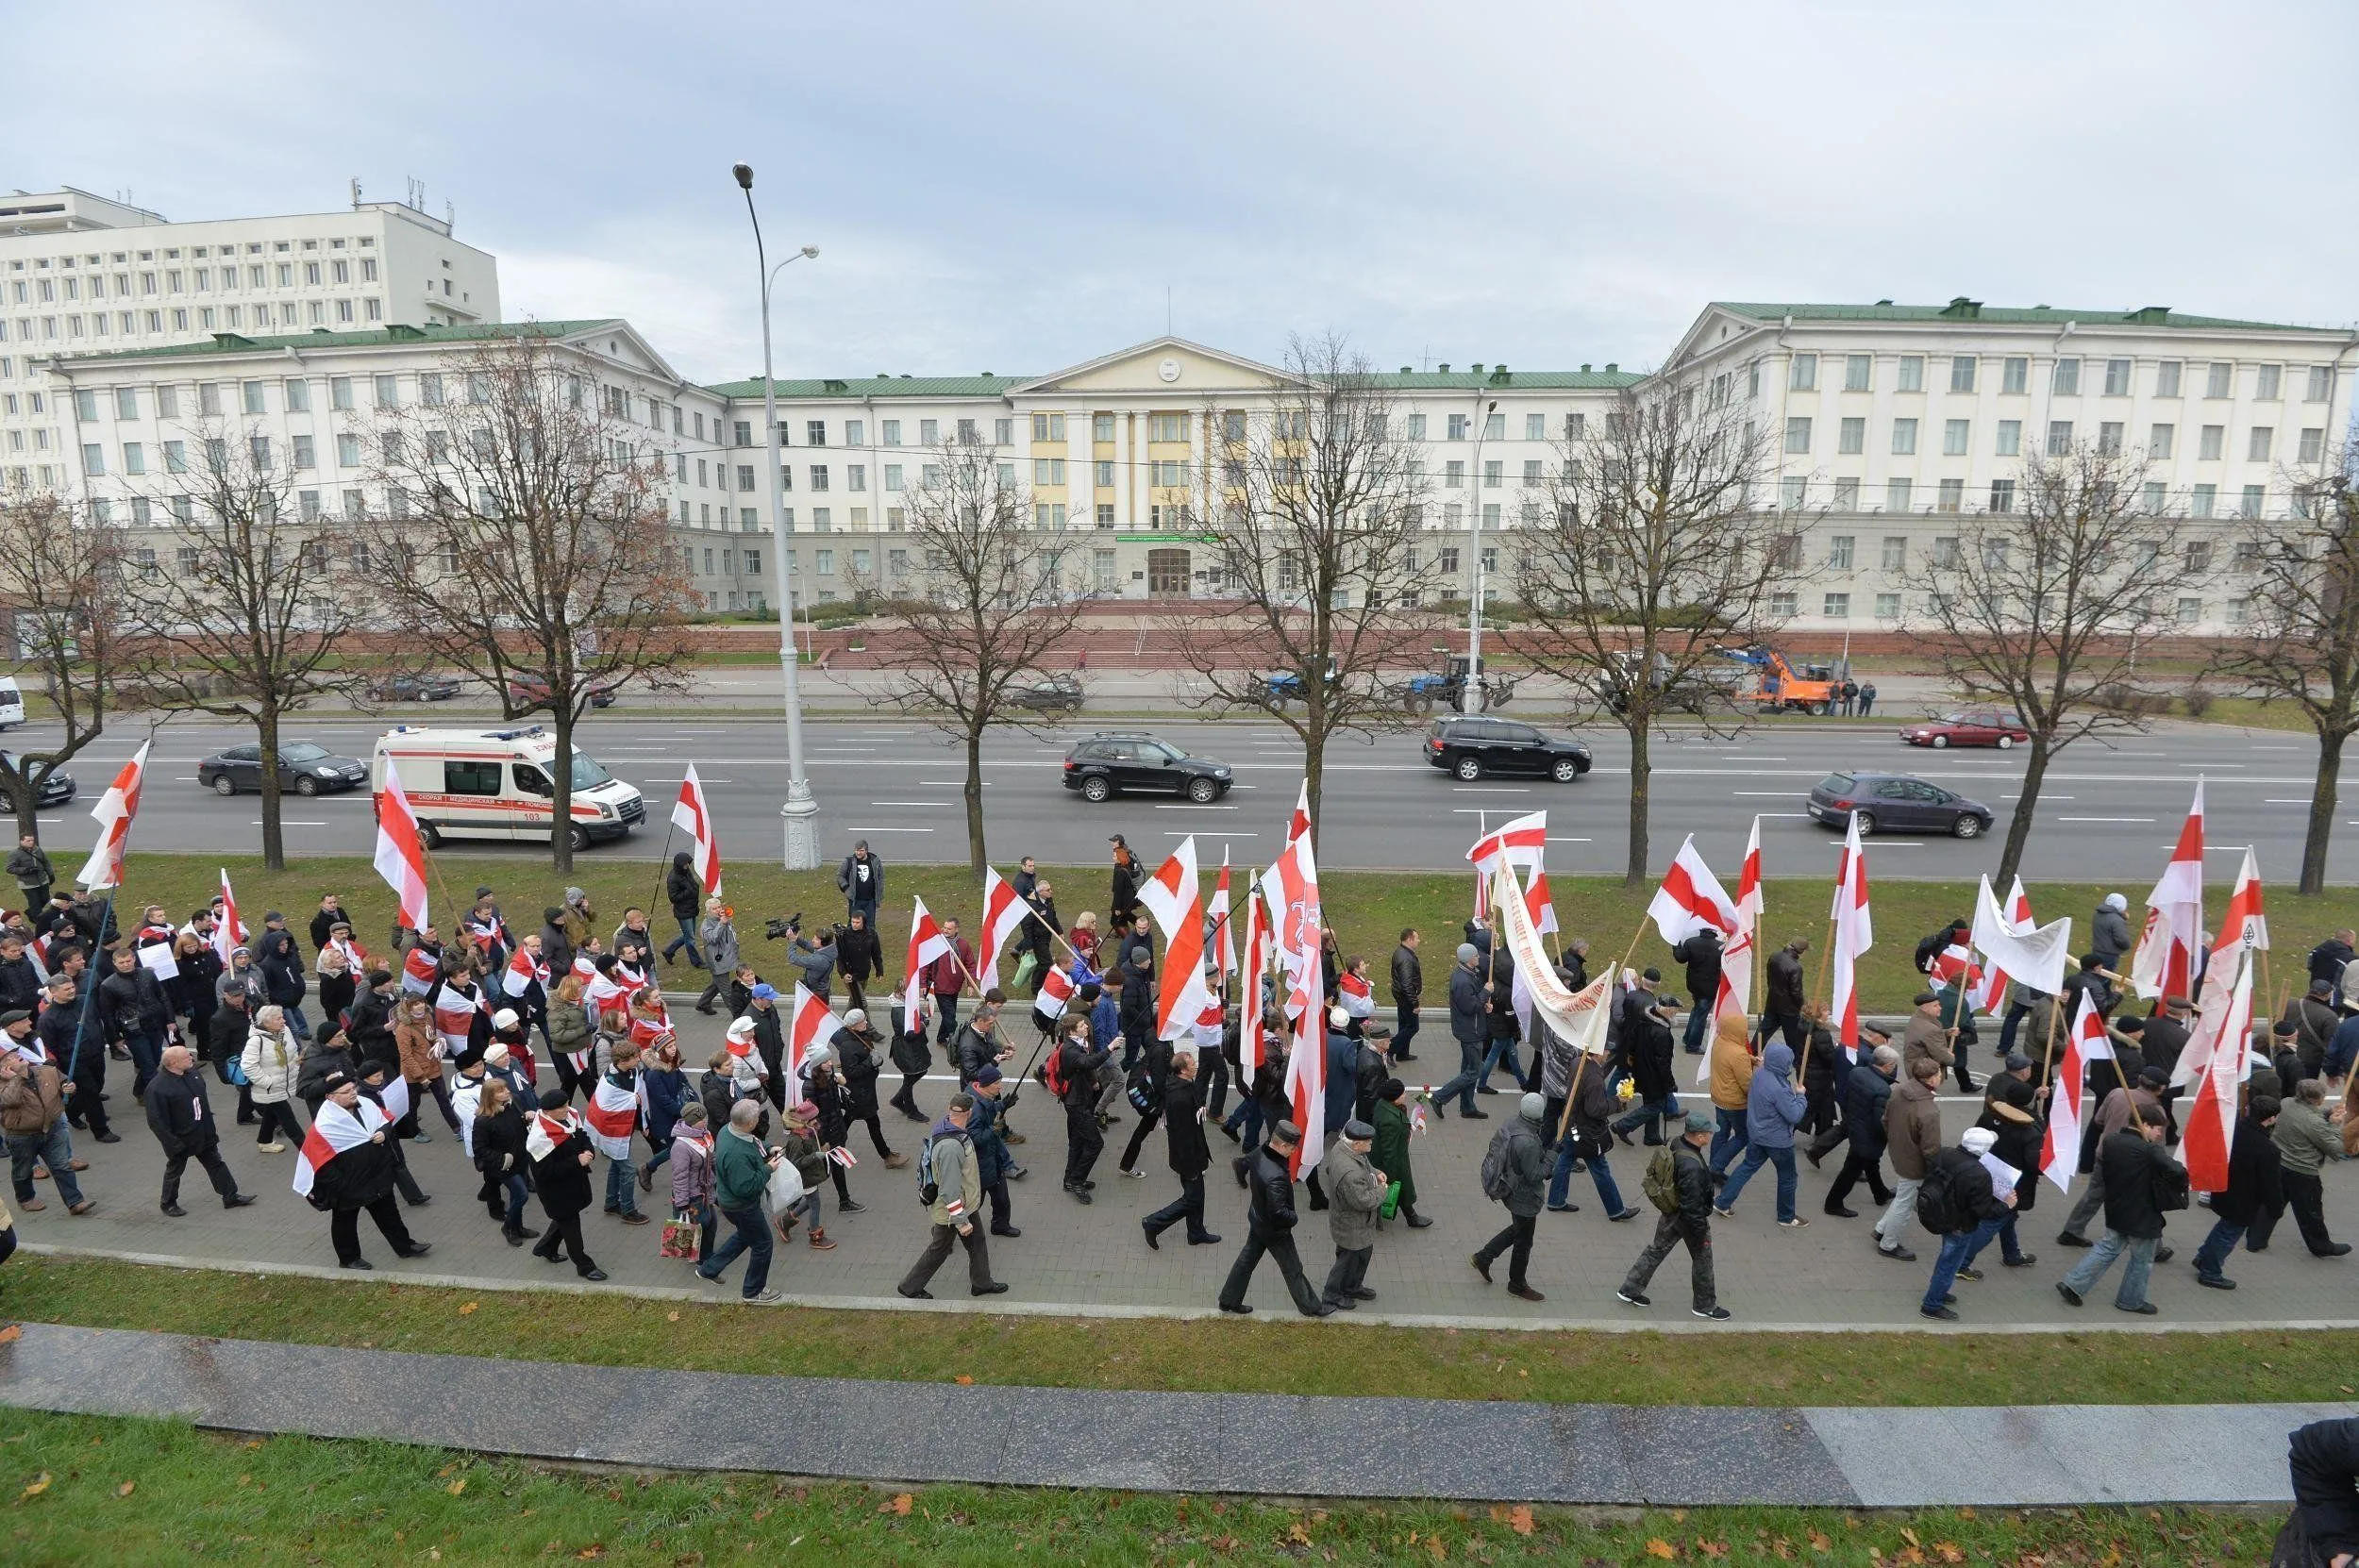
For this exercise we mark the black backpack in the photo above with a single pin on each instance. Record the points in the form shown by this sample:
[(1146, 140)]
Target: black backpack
[(1935, 1201), (1499, 1172)]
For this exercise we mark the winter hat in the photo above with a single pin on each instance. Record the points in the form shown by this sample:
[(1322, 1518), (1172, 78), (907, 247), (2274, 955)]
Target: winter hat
[(989, 1073), (1337, 1018), (741, 1037), (496, 1056), (1699, 1122), (1534, 1107), (1467, 951), (1358, 1130), (2115, 902), (854, 1018), (1979, 1141), (504, 1019)]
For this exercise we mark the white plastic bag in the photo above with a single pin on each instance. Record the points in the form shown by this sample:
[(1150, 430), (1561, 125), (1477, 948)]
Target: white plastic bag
[(786, 1187)]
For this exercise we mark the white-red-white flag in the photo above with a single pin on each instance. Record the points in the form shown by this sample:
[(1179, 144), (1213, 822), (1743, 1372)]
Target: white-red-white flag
[(1292, 887), (1691, 898), (524, 971), (549, 1131), (1173, 896), (1735, 996), (2246, 922), (1249, 992), (455, 1008), (334, 1130), (1955, 965), (1539, 902), (927, 943), (2164, 962), (1216, 914), (1854, 934), (692, 816), (229, 932), (1986, 996), (401, 850), (114, 811), (1004, 915), (809, 1025), (1299, 826), (612, 1116), (1055, 994), (2060, 1146), (2209, 1134), (1519, 843)]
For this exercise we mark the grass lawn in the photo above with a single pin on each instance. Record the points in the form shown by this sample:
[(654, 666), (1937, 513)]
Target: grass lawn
[(87, 1489), (1368, 908), (1202, 1355)]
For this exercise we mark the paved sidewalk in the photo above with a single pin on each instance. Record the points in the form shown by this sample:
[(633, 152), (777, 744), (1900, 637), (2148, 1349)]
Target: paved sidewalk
[(1272, 1444)]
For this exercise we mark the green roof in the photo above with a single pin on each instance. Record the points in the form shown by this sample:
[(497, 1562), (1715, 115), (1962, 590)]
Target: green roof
[(877, 386), (1584, 379), (2005, 315), (232, 342)]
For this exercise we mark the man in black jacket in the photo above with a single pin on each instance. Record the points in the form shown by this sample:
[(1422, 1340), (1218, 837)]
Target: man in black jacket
[(20, 982), (1138, 1002), (370, 1029), (280, 962), (861, 879), (1078, 1062), (361, 1178), (1700, 953), (182, 1120), (1151, 1074), (85, 1070), (1647, 1053), (2256, 1186), (1183, 1135), (1408, 994), (132, 1010), (1270, 1226), (561, 1176), (1470, 1027), (2325, 1527), (685, 892), (1689, 1223), (1781, 1007), (859, 956), (2141, 1181), (1974, 1212), (1865, 1093), (325, 919)]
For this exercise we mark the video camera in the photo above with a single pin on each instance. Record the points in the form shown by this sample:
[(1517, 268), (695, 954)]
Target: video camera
[(777, 931)]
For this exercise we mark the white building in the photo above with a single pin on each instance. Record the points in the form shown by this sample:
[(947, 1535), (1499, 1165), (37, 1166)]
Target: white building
[(81, 274)]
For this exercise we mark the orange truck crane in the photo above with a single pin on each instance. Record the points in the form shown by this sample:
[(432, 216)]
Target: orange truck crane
[(1784, 686)]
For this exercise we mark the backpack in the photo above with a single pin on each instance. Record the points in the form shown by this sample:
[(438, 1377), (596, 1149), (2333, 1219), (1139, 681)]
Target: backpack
[(1499, 1172), (928, 1190), (1052, 1074), (1934, 1199), (1930, 949), (1661, 1182)]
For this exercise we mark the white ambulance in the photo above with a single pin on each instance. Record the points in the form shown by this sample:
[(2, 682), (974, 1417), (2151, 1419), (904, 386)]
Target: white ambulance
[(495, 784)]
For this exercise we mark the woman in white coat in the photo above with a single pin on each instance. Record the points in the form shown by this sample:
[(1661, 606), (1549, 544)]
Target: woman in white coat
[(271, 1061)]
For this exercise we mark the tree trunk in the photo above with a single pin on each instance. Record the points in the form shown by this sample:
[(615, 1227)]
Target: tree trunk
[(2321, 831), (22, 802), (561, 790), (977, 855), (1314, 778), (274, 831), (1634, 868), (2020, 826)]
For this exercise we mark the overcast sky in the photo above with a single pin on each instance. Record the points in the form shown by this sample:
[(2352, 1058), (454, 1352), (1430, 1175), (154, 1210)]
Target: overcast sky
[(1016, 187)]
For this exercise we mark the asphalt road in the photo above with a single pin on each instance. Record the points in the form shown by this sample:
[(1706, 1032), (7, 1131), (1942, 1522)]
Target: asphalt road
[(2110, 812)]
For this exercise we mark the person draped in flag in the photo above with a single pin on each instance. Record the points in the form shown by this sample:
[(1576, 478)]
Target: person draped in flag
[(525, 983), (613, 1118), (346, 1165), (560, 1148), (421, 964), (2255, 1181)]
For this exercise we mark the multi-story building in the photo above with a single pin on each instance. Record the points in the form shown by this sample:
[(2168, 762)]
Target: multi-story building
[(81, 274)]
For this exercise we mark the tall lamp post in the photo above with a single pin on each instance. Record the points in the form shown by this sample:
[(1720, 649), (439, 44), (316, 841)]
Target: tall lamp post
[(1476, 698), (801, 811)]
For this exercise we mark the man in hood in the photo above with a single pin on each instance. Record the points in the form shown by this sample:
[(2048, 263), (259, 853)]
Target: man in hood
[(2109, 933), (685, 892), (1773, 1108)]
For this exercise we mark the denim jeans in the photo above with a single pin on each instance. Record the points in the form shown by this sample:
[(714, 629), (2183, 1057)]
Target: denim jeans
[(2109, 1246), (1957, 1249), (621, 1176), (1405, 1022), (517, 1191), (1247, 1116), (1502, 1053), (687, 939), (1471, 1068), (749, 1232), (147, 1055), (1668, 1108), (297, 1021), (1755, 1158), (1698, 1017), (2212, 1257), (54, 1149), (1728, 1137), (1561, 1179)]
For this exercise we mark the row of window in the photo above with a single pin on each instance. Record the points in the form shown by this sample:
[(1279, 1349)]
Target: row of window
[(197, 253), (2186, 611), (2064, 377), (1957, 439), (1797, 492), (174, 280)]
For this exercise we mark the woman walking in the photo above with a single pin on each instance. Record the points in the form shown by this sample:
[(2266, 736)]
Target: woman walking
[(270, 1062)]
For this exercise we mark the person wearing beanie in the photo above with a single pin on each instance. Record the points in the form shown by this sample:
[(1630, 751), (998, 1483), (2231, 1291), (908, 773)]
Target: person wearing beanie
[(1679, 1176), (1513, 1174), (1962, 1201), (1187, 1153), (2255, 1187), (2118, 1111), (1390, 1153), (2109, 932), (1270, 1226), (557, 1144), (663, 1092), (1355, 1195), (1470, 1024), (987, 1127)]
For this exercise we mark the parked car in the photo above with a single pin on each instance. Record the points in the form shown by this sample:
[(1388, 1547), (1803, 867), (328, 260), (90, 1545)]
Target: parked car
[(1888, 802), (415, 689), (1112, 762), (1473, 747), (55, 790), (1054, 695), (303, 767), (535, 689), (1974, 727)]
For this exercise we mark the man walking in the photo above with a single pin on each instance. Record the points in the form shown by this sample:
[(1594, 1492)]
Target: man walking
[(2255, 1186), (1513, 1174), (1680, 1186), (1646, 1053), (2141, 1181), (1355, 1194), (1189, 1156), (741, 1172), (955, 1207), (861, 879), (1270, 1224), (1960, 1201), (1077, 1066), (1782, 1005), (1408, 994), (1700, 953), (1912, 1136), (32, 1116), (1867, 1095), (1470, 1024), (29, 865), (2306, 1142), (946, 980), (182, 1120), (1773, 1108)]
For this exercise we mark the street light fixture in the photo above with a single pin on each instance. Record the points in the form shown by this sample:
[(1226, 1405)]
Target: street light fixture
[(801, 811), (1475, 698)]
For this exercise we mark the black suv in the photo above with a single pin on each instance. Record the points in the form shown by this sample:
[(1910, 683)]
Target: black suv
[(1888, 802), (1474, 747), (1115, 763)]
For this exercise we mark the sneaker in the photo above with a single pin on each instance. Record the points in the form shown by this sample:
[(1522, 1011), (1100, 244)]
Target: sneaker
[(423, 1137), (1796, 1223), (2022, 1261), (1972, 1277), (2072, 1239), (851, 1206), (1714, 1314), (1899, 1254), (1625, 1214), (2144, 1308), (767, 1298), (1945, 1314), (270, 1148), (895, 1162), (1724, 1213), (1634, 1298), (635, 1217), (2215, 1281), (1141, 1175), (2069, 1294), (1564, 1208)]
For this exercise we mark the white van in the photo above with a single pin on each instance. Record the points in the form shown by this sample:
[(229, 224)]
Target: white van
[(495, 784), (12, 702)]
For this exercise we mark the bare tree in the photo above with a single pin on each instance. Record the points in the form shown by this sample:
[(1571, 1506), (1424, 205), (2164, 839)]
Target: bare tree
[(248, 620), (986, 595), (2301, 642), (2039, 607), (1311, 509), (61, 582), (1646, 549), (523, 539)]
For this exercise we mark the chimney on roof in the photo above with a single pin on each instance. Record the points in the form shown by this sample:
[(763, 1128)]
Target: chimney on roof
[(1611, 368), (1963, 308), (2151, 315), (1584, 369), (1884, 302), (1407, 370), (1478, 367), (1443, 367)]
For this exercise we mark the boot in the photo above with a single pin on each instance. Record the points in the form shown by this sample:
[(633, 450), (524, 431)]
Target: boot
[(819, 1241)]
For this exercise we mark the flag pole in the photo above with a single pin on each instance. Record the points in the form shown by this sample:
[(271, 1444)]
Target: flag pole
[(1572, 1092)]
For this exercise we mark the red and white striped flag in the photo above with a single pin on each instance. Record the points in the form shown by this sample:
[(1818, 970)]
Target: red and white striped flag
[(691, 813), (2060, 1146), (1056, 991), (2244, 930), (1355, 995), (1249, 992), (2209, 1134), (1520, 843), (1987, 996), (1539, 902), (1735, 996), (1223, 938), (2163, 964), (455, 1008), (809, 1025), (548, 1132), (1173, 896), (1292, 885), (228, 931), (421, 970), (1299, 826), (114, 811), (1854, 934), (524, 971), (2246, 922), (927, 943), (1955, 965), (613, 1116), (1691, 898), (1004, 915), (334, 1130), (401, 850)]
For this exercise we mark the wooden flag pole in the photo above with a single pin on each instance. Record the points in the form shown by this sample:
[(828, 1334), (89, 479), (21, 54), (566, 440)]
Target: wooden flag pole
[(2048, 1060), (1572, 1092), (1644, 922)]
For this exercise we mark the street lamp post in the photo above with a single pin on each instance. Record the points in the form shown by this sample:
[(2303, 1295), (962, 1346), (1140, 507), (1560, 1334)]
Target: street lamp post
[(801, 811), (1475, 698)]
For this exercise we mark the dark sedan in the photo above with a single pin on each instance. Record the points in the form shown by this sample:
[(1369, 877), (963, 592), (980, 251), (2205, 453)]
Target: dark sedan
[(303, 767), (1976, 727), (55, 790), (416, 688), (1055, 694), (1895, 803)]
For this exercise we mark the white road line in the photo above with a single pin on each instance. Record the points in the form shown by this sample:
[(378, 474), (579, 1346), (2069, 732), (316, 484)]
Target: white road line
[(2147, 820), (284, 823), (927, 804), (1763, 794), (1555, 840), (1192, 807), (948, 783), (894, 830), (1205, 833), (1487, 790), (2293, 800), (2043, 797)]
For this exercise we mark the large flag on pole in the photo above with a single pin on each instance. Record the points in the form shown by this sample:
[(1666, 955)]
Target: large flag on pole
[(401, 850), (1539, 902), (2060, 1146), (1223, 938), (113, 812), (2036, 956), (811, 1025), (692, 816), (1737, 959), (1854, 934), (1691, 898), (2163, 964), (2246, 922), (2209, 1134), (229, 933), (1249, 992), (1004, 915), (1299, 826), (2244, 929), (1519, 843), (1292, 887), (1985, 995), (927, 943), (1175, 898)]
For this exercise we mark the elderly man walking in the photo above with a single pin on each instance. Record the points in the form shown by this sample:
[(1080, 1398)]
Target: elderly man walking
[(955, 1208), (1355, 1194), (1513, 1174), (182, 1121), (1679, 1184)]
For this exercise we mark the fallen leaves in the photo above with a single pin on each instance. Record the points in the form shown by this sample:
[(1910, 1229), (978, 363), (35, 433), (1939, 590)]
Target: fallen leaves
[(457, 1487), (1658, 1548), (671, 1317), (126, 1488), (1820, 1541), (466, 1309), (964, 1379), (899, 1503), (14, 1332), (35, 1487), (1517, 1518)]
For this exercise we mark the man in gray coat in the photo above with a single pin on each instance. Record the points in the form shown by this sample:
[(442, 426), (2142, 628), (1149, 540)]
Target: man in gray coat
[(1355, 1190), (1470, 1024), (719, 932), (2109, 932), (1518, 1144)]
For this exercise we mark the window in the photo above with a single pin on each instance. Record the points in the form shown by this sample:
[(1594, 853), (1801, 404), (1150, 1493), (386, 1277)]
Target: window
[(1048, 471), (1050, 516), (1887, 607), (893, 476), (2002, 495), (1045, 427), (302, 454), (1454, 474), (1105, 514), (1493, 473), (1851, 436), (855, 476), (892, 432), (93, 457), (1576, 425), (2109, 438), (815, 432), (1953, 495), (1896, 494), (2262, 437), (2269, 386), (2211, 445), (818, 477), (2204, 502), (340, 393), (1961, 372), (1945, 554), (2059, 437), (1956, 437), (2014, 374), (2219, 379), (1532, 471), (1003, 432), (1903, 436), (430, 394), (1836, 607), (1846, 495), (1783, 606), (1911, 373), (2066, 381), (2313, 445), (2321, 385), (307, 506), (2254, 496), (86, 404), (2151, 497), (2190, 612), (1839, 553), (1792, 491), (388, 393), (176, 457), (1446, 561), (1535, 427), (134, 457), (2117, 378), (855, 433), (1752, 378), (127, 403), (2158, 440), (1802, 375), (1166, 427), (929, 430), (1797, 435), (1859, 372)]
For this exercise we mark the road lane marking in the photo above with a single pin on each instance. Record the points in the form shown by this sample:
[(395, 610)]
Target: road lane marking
[(2147, 820), (895, 829)]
